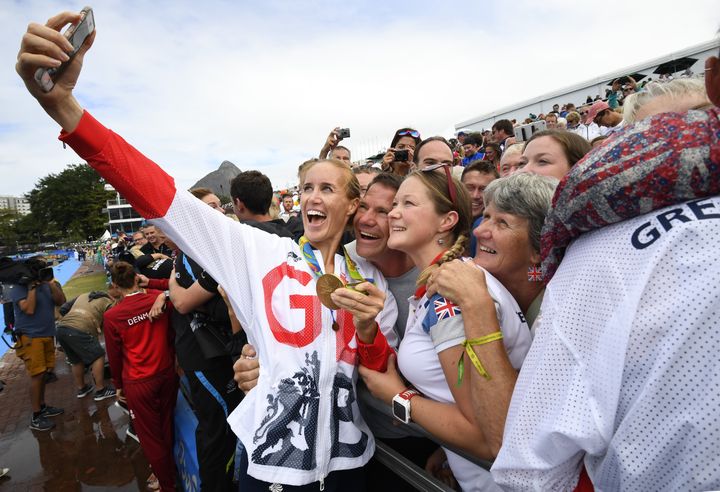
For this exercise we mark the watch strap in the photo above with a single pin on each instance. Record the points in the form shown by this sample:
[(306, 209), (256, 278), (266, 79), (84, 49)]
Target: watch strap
[(408, 394)]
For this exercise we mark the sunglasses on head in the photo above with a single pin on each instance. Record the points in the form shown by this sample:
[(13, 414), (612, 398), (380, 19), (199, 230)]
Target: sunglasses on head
[(451, 184), (412, 133)]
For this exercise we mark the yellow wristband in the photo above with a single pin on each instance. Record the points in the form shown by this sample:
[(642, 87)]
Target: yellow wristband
[(468, 345)]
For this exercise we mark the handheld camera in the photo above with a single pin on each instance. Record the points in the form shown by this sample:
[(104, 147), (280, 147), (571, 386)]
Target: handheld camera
[(401, 155)]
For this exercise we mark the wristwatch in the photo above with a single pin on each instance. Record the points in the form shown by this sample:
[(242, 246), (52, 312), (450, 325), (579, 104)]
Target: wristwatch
[(401, 404)]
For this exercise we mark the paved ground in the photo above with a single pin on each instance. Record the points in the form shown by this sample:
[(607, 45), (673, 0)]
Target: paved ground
[(86, 451)]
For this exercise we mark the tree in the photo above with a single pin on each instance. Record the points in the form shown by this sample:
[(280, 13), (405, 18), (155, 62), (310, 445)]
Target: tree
[(8, 235), (69, 205), (32, 231)]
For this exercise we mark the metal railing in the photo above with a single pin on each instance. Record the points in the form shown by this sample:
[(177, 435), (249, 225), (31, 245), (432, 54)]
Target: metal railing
[(404, 468)]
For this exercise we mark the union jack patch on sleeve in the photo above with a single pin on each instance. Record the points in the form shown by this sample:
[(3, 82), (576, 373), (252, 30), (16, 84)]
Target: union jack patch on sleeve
[(445, 309)]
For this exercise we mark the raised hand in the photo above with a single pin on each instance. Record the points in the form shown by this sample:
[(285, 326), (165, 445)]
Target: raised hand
[(43, 46)]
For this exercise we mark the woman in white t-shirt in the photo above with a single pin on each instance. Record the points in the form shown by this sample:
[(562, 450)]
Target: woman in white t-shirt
[(430, 222)]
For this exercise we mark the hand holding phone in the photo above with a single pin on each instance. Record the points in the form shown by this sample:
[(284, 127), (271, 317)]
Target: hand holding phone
[(76, 34)]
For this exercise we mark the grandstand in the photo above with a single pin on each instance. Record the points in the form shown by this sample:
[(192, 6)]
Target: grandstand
[(692, 59)]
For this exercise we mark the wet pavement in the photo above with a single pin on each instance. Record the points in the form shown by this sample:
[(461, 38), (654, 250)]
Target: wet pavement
[(87, 450)]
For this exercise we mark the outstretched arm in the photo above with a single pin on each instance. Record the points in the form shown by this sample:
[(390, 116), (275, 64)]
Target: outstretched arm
[(149, 189)]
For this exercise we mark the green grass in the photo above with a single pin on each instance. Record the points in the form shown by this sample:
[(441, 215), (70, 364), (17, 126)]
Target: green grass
[(85, 283)]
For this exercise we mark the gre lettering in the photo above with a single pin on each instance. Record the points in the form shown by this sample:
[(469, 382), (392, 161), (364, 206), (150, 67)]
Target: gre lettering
[(647, 233)]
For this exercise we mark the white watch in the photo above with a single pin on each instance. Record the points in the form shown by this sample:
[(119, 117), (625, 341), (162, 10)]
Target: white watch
[(401, 405)]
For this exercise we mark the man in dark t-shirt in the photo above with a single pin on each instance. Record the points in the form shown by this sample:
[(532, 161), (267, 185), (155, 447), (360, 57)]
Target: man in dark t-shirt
[(34, 309), (155, 242)]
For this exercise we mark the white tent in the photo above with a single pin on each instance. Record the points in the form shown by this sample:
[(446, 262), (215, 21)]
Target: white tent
[(105, 236)]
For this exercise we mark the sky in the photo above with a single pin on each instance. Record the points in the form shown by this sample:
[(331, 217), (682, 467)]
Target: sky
[(262, 83)]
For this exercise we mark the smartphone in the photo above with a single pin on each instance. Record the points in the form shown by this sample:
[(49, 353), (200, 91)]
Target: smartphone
[(46, 274), (343, 133), (401, 155), (76, 34), (524, 132)]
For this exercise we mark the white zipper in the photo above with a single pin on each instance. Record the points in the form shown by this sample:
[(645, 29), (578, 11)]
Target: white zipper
[(322, 454)]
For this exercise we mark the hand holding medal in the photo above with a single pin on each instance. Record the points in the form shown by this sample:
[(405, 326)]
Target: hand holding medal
[(329, 283), (326, 285), (364, 301), (359, 297)]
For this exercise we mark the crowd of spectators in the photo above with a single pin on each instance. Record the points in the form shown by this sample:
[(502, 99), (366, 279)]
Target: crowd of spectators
[(542, 303)]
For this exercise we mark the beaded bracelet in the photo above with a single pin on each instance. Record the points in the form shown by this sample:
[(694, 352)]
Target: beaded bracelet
[(468, 344)]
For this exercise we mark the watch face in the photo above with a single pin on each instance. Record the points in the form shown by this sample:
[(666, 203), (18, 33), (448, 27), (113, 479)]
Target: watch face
[(399, 411)]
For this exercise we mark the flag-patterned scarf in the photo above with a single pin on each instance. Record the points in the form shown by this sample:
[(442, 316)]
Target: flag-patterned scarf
[(667, 159)]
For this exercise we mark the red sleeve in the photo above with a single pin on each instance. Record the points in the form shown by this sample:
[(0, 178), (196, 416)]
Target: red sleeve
[(158, 284), (150, 189), (375, 355), (113, 348)]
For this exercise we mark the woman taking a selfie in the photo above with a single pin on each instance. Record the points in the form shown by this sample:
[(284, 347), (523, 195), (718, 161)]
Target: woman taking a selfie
[(301, 426), (430, 222)]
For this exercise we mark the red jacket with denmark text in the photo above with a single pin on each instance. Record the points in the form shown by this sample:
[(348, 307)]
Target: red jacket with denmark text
[(137, 348), (302, 420)]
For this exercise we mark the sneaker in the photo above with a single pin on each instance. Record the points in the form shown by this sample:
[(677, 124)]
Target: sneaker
[(122, 406), (49, 411), (106, 392), (41, 423), (131, 432), (4, 471), (85, 390)]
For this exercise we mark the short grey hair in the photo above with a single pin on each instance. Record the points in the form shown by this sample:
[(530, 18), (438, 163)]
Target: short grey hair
[(524, 195), (674, 89), (516, 148)]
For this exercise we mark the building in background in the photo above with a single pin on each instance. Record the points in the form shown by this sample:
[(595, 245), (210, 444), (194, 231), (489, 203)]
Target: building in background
[(19, 204), (121, 215)]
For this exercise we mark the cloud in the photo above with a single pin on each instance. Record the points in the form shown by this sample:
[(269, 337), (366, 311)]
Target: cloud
[(262, 84)]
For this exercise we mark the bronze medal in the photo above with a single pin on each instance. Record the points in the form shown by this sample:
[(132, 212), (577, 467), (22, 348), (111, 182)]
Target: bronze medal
[(335, 326), (326, 285)]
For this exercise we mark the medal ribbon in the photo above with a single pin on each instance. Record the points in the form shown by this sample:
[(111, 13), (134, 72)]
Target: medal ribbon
[(314, 265)]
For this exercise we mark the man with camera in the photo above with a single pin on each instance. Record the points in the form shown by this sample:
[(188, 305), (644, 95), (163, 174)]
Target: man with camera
[(34, 308), (331, 149)]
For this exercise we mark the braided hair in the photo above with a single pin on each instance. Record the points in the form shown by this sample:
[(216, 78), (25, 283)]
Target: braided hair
[(436, 183)]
